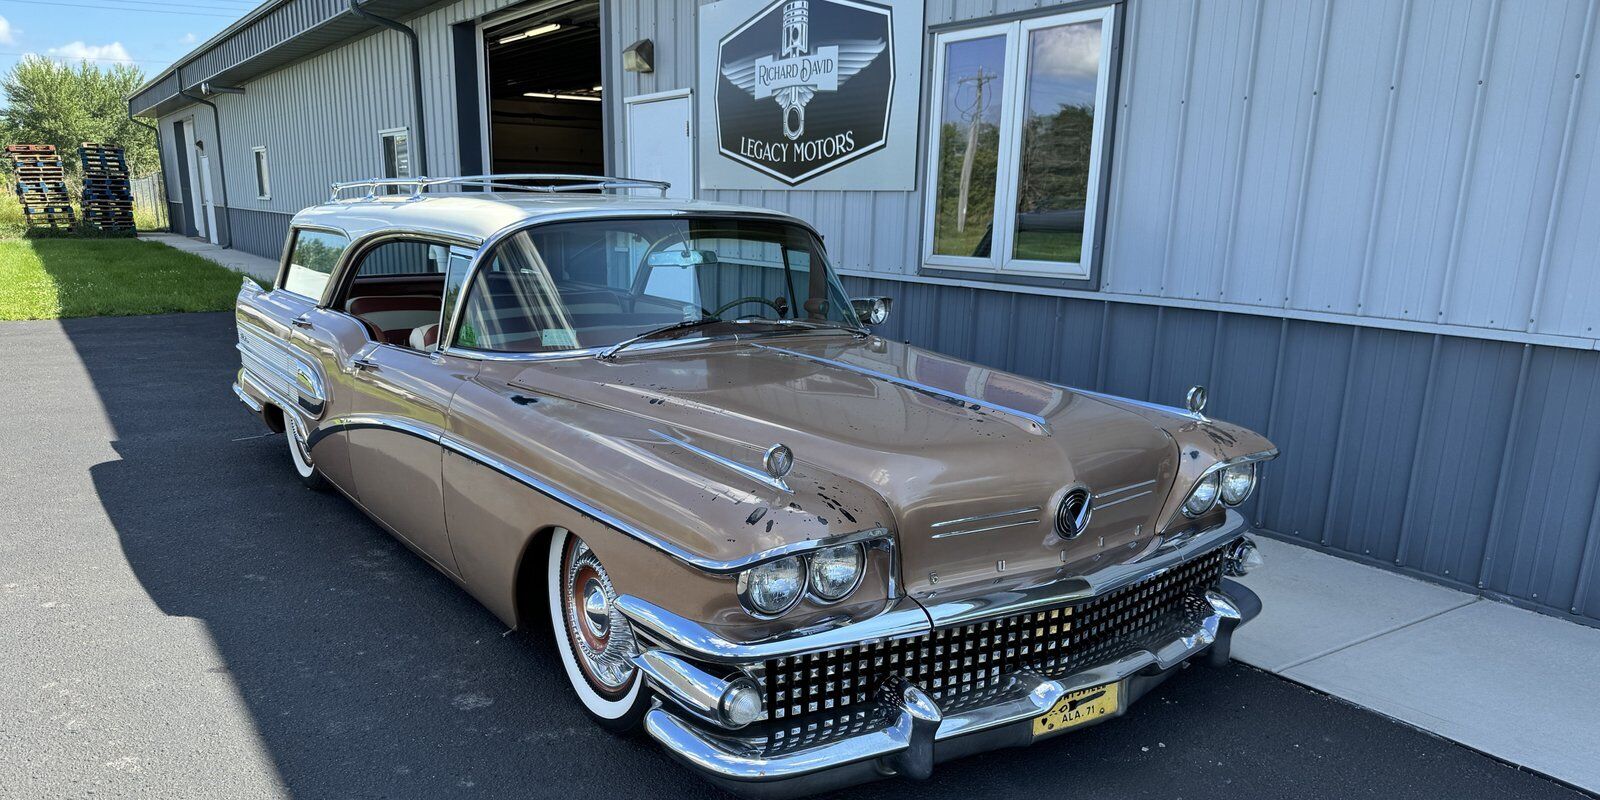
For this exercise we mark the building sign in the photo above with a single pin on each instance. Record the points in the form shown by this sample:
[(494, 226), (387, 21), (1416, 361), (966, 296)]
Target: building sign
[(800, 88)]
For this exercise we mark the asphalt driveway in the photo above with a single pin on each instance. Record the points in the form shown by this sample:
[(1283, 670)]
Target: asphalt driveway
[(180, 618)]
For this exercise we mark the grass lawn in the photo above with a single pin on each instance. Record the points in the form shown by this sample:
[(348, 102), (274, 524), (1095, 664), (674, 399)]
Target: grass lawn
[(51, 277)]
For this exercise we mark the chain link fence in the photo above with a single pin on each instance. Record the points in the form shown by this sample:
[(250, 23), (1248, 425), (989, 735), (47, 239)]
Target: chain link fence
[(150, 202)]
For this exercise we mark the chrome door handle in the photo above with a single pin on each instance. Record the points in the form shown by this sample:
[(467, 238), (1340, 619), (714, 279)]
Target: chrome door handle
[(363, 364), (301, 322)]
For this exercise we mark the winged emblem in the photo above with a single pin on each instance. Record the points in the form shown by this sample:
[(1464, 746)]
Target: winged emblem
[(797, 74)]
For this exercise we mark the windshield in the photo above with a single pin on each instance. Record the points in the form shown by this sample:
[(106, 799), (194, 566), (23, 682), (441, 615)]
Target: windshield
[(590, 284)]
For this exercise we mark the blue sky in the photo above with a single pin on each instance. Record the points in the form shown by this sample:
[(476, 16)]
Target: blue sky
[(150, 34)]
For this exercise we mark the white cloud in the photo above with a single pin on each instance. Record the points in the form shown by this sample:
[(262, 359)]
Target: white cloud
[(1068, 51), (188, 38), (7, 34), (92, 52)]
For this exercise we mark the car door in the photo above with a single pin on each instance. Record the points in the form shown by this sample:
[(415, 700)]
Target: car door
[(399, 386)]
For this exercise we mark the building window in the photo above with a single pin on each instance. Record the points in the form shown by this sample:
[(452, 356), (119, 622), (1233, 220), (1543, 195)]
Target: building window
[(263, 181), (396, 154), (1017, 140)]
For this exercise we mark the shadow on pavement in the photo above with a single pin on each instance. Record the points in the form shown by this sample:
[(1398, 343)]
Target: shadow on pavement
[(368, 674)]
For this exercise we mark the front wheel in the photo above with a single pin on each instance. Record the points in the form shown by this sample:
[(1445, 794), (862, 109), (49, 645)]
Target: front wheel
[(300, 453), (594, 639)]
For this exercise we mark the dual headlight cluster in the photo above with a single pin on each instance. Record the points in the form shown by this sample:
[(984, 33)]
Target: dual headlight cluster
[(1231, 485), (828, 574)]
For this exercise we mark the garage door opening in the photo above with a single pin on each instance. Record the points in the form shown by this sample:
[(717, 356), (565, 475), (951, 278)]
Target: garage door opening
[(544, 91)]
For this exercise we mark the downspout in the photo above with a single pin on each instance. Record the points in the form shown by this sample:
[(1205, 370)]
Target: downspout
[(222, 161), (416, 81), (161, 162)]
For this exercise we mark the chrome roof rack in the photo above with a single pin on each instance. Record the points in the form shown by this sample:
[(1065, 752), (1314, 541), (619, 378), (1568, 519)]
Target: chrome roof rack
[(548, 182)]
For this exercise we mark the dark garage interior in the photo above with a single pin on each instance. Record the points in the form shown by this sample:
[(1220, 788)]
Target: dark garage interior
[(544, 91)]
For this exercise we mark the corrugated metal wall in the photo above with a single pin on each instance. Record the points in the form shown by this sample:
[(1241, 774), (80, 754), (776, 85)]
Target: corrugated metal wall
[(1469, 461)]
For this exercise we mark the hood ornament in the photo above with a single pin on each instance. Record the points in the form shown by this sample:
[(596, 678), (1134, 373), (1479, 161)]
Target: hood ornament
[(1195, 401), (778, 460)]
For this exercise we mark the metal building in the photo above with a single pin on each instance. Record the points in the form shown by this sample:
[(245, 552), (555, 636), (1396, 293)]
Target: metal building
[(1371, 227)]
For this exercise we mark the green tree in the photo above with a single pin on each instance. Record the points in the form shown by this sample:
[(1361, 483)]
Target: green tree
[(49, 102)]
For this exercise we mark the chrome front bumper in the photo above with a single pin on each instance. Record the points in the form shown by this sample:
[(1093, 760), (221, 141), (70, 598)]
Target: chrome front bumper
[(917, 732)]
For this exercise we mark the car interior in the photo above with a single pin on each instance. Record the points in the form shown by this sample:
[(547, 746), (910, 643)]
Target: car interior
[(397, 293)]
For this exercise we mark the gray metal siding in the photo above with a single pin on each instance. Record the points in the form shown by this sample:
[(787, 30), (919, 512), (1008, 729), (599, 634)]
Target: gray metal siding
[(260, 233), (1427, 453)]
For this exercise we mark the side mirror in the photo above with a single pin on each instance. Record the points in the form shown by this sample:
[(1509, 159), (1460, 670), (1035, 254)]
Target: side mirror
[(871, 310)]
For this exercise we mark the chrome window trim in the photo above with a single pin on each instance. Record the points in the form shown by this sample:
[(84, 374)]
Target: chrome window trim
[(911, 384), (743, 469), (494, 240)]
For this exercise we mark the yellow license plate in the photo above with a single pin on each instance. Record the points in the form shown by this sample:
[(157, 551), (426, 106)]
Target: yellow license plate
[(1079, 708)]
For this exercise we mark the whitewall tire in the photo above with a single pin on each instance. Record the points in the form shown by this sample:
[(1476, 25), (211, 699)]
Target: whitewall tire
[(300, 452), (593, 638)]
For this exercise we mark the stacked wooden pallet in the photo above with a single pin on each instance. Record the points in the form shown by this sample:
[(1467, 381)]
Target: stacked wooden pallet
[(41, 185), (107, 199)]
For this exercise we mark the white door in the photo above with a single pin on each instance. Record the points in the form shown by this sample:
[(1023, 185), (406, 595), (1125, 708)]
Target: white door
[(659, 144), (206, 201), (195, 171)]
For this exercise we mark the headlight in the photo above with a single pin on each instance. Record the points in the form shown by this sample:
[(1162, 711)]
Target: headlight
[(1204, 496), (774, 587), (1238, 481), (835, 571)]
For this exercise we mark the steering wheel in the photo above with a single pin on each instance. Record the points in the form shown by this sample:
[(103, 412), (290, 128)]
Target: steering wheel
[(732, 303)]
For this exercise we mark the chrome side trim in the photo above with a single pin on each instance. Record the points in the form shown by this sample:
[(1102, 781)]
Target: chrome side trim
[(274, 363), (700, 562), (959, 611), (1125, 499), (695, 640), (981, 517), (911, 384), (1130, 401), (749, 472), (1120, 489), (953, 534), (360, 421)]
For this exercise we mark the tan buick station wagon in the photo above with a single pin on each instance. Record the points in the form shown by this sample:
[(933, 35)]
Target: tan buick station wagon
[(798, 555)]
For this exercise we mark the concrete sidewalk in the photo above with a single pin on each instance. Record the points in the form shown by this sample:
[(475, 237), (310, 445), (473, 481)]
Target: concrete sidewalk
[(264, 269), (1515, 684)]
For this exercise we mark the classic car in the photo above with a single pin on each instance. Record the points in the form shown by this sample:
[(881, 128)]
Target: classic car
[(797, 554)]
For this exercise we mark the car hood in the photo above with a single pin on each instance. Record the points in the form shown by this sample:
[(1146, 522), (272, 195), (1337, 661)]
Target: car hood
[(971, 462)]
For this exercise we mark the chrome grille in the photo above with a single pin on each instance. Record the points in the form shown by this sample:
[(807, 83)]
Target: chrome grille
[(953, 663)]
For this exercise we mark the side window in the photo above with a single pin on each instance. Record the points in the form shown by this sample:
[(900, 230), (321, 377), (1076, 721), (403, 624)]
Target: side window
[(263, 180), (397, 290), (396, 146), (311, 262), (403, 257)]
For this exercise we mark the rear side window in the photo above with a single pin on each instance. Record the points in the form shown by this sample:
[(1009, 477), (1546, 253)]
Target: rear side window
[(311, 262)]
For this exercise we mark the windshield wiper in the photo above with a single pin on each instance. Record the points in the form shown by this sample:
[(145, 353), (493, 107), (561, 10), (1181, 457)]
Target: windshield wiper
[(611, 352)]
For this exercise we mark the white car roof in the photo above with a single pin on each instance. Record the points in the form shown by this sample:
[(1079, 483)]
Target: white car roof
[(479, 215)]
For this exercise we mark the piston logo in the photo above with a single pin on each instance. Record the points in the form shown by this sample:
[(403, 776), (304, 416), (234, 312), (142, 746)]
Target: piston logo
[(842, 85)]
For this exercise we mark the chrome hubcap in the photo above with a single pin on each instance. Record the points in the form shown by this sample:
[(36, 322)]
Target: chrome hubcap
[(601, 638), (596, 609)]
